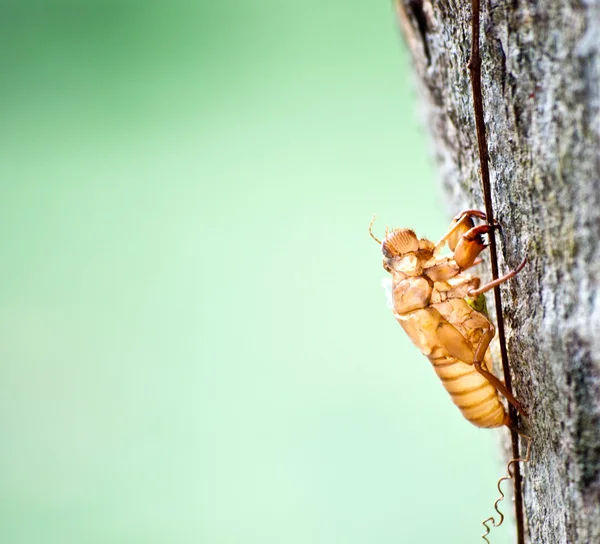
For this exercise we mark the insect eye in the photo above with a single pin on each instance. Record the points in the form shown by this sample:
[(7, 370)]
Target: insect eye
[(389, 251)]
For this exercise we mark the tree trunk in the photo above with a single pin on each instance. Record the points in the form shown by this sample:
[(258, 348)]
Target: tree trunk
[(541, 91)]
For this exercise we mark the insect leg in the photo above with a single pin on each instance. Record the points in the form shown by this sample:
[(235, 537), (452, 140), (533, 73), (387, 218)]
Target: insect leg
[(484, 342), (469, 213), (492, 284), (448, 337), (470, 244), (461, 223)]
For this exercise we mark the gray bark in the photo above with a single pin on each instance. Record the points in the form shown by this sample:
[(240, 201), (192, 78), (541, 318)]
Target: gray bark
[(541, 86)]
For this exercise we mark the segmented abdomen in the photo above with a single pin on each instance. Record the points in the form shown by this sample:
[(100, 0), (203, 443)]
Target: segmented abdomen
[(473, 394)]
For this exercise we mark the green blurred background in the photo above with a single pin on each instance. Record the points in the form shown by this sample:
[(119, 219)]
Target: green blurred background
[(195, 345)]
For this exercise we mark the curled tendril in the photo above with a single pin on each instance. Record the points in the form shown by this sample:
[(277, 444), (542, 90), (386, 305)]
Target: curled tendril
[(510, 475)]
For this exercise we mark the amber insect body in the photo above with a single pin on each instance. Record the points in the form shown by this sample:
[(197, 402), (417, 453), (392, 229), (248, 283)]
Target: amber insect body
[(440, 306)]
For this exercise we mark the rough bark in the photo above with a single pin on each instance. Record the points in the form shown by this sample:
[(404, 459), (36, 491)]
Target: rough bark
[(541, 86)]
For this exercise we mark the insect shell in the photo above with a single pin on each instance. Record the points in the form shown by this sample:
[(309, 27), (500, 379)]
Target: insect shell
[(431, 300)]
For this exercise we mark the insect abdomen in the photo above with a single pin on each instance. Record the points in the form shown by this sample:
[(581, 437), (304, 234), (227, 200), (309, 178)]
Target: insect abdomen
[(474, 396)]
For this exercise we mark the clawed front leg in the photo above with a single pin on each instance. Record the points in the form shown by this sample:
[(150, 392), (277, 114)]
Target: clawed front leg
[(465, 239), (461, 223), (471, 244)]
